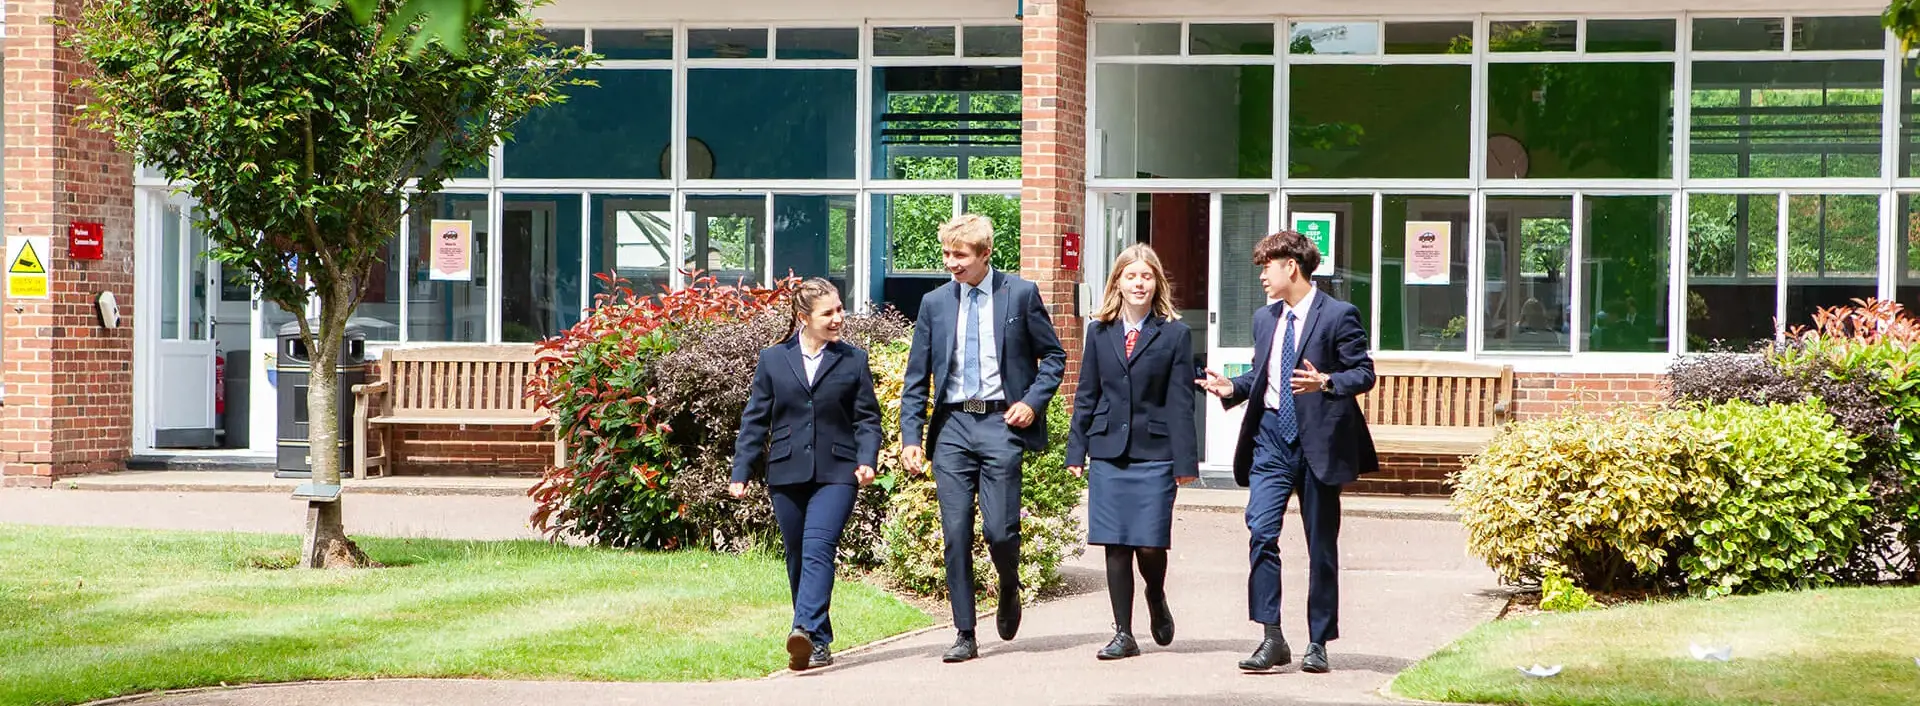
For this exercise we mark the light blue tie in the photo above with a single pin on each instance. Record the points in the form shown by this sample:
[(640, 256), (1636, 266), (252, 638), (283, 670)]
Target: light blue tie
[(970, 361)]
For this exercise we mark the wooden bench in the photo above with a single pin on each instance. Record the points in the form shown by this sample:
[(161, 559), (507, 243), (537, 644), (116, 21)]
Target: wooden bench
[(443, 385), (1435, 407)]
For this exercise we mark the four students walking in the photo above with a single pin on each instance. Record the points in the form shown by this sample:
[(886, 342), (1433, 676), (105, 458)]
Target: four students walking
[(984, 364)]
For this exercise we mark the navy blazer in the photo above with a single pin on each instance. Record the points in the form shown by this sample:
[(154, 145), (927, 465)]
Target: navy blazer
[(1333, 433), (1031, 359), (809, 433), (1138, 408)]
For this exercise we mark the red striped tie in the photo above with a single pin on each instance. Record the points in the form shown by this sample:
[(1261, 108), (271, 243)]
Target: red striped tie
[(1132, 336)]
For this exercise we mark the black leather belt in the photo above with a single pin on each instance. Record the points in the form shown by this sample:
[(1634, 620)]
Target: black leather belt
[(977, 406)]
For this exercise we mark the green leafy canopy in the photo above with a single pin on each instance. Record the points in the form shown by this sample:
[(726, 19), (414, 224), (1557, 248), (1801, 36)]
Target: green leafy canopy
[(299, 130)]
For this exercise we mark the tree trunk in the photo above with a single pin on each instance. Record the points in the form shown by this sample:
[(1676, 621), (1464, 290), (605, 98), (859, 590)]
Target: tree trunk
[(327, 545)]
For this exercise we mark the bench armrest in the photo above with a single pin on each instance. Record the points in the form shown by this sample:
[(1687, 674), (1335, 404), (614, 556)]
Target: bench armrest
[(1502, 411), (369, 389)]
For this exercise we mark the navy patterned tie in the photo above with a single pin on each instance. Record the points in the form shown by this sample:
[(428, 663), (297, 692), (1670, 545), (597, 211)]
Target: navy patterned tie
[(1289, 359)]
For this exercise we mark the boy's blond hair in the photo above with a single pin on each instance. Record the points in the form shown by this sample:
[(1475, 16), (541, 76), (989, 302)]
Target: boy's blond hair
[(968, 229)]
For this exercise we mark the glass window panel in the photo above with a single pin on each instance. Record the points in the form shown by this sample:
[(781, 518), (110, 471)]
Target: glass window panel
[(1185, 122), (1907, 283), (1425, 310), (1004, 211), (1786, 119), (773, 123), (1571, 121), (1136, 39), (618, 44), (912, 229), (1352, 256), (564, 38), (632, 238), (539, 265), (1833, 252), (1862, 33), (1533, 36), (1624, 262), (1732, 275), (813, 237), (1244, 221), (1247, 39), (817, 43), (1354, 38), (170, 272), (914, 41), (1529, 294), (996, 41), (272, 317), (1178, 228), (619, 129), (1739, 34), (726, 237), (1909, 118), (1402, 122), (947, 122), (1609, 36), (723, 43), (379, 310), (1429, 37), (443, 310)]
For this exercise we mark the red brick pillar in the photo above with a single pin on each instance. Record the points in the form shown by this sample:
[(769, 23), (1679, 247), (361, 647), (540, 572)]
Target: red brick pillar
[(1053, 164), (68, 379)]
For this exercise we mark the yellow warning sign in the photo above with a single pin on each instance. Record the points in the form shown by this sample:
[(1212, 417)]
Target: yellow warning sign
[(27, 262), (27, 276)]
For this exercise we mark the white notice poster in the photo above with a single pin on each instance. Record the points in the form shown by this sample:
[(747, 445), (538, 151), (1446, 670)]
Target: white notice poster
[(1429, 250)]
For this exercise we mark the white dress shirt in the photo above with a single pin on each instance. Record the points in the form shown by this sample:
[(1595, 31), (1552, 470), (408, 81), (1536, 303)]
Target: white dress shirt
[(1281, 381), (990, 385), (812, 362)]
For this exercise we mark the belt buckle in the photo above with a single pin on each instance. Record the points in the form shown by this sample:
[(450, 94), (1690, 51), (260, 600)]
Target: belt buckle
[(974, 406)]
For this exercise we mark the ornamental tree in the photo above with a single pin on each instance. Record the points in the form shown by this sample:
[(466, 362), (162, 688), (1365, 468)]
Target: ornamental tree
[(301, 133)]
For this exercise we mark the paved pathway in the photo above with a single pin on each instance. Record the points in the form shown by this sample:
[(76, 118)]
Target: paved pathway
[(1408, 588)]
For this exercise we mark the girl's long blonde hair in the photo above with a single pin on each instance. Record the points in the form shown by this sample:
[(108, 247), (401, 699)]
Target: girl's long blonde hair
[(1162, 289)]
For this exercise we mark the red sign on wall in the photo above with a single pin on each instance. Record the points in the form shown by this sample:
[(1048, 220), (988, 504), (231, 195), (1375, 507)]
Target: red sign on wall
[(1070, 252), (86, 241)]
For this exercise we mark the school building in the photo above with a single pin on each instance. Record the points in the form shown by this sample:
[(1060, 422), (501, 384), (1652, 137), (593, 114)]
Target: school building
[(1526, 183)]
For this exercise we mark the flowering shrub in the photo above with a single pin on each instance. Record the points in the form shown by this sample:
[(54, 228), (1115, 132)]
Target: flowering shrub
[(649, 391)]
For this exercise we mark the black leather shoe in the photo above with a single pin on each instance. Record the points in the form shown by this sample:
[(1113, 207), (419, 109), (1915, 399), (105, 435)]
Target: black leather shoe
[(1122, 647), (1316, 660), (964, 648), (1272, 652), (799, 650), (1008, 616), (1162, 620), (821, 656)]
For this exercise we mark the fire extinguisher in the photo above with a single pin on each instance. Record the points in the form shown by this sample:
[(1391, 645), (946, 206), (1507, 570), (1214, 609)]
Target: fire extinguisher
[(219, 388)]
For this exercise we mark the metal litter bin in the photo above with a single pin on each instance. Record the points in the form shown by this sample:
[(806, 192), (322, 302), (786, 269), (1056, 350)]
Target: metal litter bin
[(293, 369)]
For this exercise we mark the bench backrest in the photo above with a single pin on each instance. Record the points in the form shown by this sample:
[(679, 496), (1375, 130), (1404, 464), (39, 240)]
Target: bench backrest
[(472, 381), (1439, 393)]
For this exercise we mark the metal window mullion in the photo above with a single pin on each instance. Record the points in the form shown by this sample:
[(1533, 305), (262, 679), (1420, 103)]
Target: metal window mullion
[(1282, 119), (1379, 251), (406, 271), (1780, 267), (496, 214), (1476, 271), (1888, 270), (586, 251), (1477, 108), (677, 232), (1576, 270), (766, 225), (1678, 274)]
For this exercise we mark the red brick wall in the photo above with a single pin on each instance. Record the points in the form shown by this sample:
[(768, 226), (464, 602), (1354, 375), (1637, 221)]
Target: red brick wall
[(69, 381), (1538, 395), (1409, 475), (1053, 163), (476, 450)]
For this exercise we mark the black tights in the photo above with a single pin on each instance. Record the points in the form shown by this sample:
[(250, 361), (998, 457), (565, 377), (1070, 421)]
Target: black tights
[(1153, 568)]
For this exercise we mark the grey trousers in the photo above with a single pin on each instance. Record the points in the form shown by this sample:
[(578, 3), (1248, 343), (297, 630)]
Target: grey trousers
[(977, 455)]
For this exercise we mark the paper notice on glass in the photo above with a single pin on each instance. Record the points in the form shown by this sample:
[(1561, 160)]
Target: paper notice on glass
[(1318, 227), (452, 251), (1429, 250)]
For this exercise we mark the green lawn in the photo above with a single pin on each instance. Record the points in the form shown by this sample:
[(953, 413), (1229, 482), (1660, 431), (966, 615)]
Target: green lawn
[(1844, 646), (88, 614)]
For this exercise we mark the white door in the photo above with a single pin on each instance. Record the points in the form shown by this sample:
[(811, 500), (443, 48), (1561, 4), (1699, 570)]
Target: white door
[(182, 399), (1239, 221)]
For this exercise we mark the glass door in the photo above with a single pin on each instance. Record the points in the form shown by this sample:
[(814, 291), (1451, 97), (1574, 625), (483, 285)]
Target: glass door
[(184, 384)]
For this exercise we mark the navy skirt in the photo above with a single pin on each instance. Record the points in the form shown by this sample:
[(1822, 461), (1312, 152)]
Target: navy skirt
[(1130, 503)]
